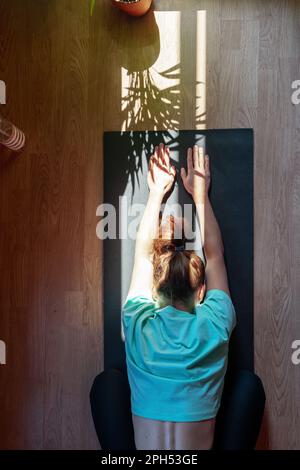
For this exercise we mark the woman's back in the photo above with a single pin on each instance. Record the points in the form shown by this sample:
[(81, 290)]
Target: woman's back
[(151, 434), (176, 363)]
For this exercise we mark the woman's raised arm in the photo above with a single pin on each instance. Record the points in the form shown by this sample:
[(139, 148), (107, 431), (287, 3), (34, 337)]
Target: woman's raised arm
[(161, 175)]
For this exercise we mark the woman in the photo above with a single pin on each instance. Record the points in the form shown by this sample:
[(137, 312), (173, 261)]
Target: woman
[(176, 336)]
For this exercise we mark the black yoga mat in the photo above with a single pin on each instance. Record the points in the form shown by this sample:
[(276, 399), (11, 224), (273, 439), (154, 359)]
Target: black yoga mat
[(125, 172)]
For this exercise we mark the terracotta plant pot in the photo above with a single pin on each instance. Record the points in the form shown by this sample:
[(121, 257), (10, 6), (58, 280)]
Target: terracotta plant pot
[(134, 7)]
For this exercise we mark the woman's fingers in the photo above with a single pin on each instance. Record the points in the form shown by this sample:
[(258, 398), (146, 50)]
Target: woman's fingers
[(183, 173), (207, 172), (167, 157), (151, 163), (164, 158), (201, 160), (161, 154), (195, 156), (190, 160), (206, 165), (157, 154)]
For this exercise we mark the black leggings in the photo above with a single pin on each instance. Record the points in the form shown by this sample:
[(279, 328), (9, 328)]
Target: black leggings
[(237, 425)]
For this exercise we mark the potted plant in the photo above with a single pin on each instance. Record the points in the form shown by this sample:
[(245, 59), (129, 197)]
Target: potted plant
[(131, 7)]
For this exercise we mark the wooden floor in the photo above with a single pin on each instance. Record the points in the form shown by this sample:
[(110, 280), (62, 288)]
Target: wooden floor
[(230, 63)]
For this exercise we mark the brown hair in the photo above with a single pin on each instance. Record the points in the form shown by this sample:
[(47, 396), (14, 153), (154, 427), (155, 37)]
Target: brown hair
[(177, 273)]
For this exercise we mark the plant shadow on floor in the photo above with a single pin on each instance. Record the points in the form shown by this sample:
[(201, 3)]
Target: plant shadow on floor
[(145, 104)]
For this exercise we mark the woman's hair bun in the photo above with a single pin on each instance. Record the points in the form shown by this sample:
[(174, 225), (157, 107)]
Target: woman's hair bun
[(165, 246), (175, 277)]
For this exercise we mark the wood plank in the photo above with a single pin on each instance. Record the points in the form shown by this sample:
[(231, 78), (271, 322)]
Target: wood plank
[(63, 71)]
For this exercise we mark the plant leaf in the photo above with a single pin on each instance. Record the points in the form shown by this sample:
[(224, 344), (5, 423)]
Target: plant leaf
[(92, 6)]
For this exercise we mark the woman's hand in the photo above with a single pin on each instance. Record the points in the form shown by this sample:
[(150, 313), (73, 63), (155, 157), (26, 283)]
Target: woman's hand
[(197, 178), (161, 173)]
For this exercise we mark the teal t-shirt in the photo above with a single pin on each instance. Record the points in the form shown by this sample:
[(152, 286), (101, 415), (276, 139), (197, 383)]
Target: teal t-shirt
[(176, 360)]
